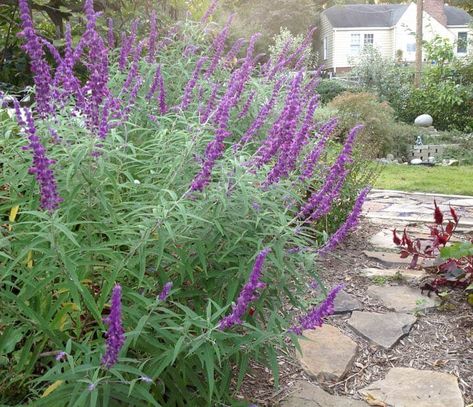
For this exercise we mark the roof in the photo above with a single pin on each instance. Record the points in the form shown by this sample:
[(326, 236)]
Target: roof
[(383, 15)]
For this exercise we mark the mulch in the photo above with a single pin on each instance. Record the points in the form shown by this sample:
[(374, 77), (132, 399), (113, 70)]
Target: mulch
[(441, 340)]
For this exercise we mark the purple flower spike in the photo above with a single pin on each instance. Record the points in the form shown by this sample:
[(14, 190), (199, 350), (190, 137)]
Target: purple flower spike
[(39, 66), (349, 224), (314, 318), (218, 47), (319, 202), (41, 167), (187, 96), (115, 333), (246, 107), (248, 293), (165, 291), (153, 35), (210, 11)]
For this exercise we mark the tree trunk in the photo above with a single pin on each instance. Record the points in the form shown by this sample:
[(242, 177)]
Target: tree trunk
[(417, 79)]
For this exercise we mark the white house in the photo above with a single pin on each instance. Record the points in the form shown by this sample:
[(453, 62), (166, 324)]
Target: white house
[(345, 30)]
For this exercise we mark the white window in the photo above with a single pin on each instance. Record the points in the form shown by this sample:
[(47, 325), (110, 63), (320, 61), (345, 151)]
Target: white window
[(368, 39), (411, 47), (355, 44), (462, 42), (325, 48)]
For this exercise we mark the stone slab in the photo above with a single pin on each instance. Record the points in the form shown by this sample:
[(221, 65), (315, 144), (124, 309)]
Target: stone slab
[(345, 302), (306, 394), (386, 257), (321, 359), (405, 274), (384, 330), (407, 387), (402, 298)]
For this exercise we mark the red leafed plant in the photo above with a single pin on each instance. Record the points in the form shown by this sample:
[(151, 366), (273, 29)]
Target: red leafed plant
[(453, 264)]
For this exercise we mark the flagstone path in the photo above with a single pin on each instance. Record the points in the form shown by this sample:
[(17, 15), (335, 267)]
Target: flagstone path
[(330, 353)]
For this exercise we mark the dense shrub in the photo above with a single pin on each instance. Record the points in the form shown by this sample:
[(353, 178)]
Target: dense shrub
[(167, 164), (329, 89), (381, 135)]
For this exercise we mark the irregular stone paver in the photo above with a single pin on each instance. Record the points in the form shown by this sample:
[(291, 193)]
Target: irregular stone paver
[(402, 298), (461, 202), (405, 274), (386, 258), (407, 387), (309, 395), (382, 329), (345, 302), (328, 354)]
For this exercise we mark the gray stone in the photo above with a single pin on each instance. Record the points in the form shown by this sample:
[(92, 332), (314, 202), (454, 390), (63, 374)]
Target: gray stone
[(382, 329), (431, 160), (393, 273), (461, 202), (416, 161), (321, 359), (345, 302), (424, 120), (453, 163), (306, 394), (407, 387), (402, 298), (384, 161), (390, 157), (386, 258)]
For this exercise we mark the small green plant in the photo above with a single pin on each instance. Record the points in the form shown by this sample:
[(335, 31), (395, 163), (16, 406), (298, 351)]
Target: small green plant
[(380, 280)]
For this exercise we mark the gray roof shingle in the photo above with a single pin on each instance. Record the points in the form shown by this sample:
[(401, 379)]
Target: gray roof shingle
[(382, 15)]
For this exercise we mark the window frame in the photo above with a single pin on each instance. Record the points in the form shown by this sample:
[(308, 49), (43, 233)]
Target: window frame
[(355, 46), (462, 43), (368, 43)]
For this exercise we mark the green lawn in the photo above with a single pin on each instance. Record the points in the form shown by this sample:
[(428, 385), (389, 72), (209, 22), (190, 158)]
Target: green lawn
[(442, 180)]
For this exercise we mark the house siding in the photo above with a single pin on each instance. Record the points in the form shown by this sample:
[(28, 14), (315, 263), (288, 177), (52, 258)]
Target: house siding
[(326, 31), (382, 40)]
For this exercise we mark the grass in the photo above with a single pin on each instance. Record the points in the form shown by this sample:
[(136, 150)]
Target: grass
[(442, 180)]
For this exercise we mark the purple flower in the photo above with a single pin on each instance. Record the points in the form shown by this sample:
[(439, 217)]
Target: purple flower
[(247, 105), (153, 35), (248, 293), (320, 201), (127, 44), (210, 103), (115, 333), (41, 167), (234, 50), (186, 97), (60, 356), (282, 131), (349, 224), (309, 162), (210, 11), (91, 387), (165, 291), (262, 116), (290, 153), (39, 67), (218, 47), (213, 152), (279, 63), (314, 318), (158, 84)]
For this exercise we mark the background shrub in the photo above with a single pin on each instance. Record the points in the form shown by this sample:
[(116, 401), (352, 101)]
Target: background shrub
[(328, 89)]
